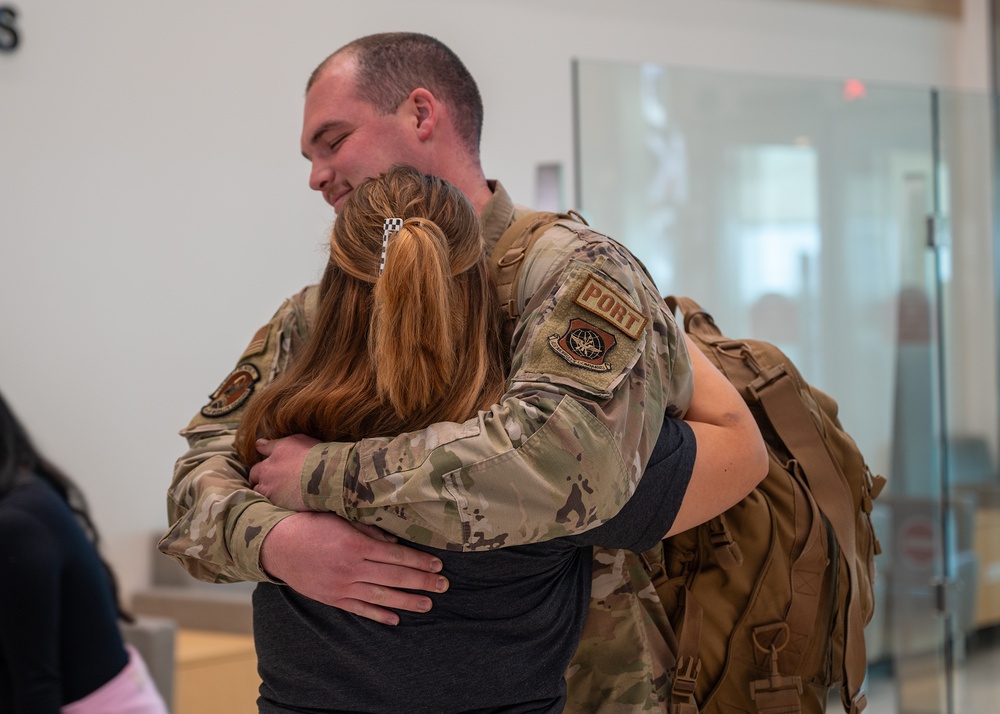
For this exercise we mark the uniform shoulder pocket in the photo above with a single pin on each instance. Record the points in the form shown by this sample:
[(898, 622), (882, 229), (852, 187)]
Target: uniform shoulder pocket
[(590, 332)]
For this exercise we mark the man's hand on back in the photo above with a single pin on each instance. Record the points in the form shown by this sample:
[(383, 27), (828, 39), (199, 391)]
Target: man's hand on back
[(323, 557)]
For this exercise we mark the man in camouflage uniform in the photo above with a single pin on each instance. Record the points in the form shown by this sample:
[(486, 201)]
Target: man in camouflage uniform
[(597, 361)]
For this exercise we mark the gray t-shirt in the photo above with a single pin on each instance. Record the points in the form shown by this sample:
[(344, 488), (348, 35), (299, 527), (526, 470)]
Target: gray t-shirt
[(499, 640)]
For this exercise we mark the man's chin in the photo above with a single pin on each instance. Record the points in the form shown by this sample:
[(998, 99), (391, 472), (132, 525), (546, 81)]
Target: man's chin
[(338, 202)]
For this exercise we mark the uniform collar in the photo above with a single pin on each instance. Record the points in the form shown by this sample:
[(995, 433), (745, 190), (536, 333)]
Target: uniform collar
[(497, 216)]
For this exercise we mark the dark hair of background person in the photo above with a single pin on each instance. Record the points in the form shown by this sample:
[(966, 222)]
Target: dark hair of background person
[(17, 453), (390, 65)]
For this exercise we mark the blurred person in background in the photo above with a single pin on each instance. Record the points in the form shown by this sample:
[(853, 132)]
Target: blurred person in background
[(61, 649)]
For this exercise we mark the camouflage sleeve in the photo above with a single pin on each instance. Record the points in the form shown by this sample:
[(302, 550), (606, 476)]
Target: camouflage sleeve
[(217, 521), (597, 362)]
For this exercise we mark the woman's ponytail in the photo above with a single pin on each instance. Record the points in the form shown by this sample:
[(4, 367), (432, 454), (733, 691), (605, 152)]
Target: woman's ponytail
[(398, 344), (412, 341)]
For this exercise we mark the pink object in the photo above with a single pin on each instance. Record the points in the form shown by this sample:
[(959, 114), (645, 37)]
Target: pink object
[(131, 691)]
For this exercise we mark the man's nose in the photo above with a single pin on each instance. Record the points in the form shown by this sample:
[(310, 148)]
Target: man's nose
[(319, 176)]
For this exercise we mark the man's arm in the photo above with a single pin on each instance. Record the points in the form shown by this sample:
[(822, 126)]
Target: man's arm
[(700, 466), (597, 361), (218, 523), (649, 514)]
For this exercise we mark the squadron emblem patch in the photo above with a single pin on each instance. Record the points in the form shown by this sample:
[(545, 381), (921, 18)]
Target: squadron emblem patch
[(233, 392), (584, 345)]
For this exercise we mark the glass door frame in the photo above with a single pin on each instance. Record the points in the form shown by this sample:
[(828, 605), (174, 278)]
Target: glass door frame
[(930, 239)]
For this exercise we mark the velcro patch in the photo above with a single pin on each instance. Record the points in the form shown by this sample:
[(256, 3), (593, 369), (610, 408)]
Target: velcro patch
[(584, 345), (568, 344), (233, 393), (606, 301)]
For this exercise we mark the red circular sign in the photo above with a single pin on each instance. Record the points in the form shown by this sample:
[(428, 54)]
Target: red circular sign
[(916, 542)]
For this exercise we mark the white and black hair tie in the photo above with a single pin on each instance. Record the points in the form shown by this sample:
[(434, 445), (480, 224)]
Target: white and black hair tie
[(389, 226)]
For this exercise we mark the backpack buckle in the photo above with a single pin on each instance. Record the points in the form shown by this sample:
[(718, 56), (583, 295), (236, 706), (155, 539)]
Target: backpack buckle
[(511, 257), (777, 694), (685, 677), (765, 378), (727, 551), (777, 697), (653, 563)]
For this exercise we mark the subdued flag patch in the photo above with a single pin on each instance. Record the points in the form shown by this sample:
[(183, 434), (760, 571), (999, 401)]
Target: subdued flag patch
[(258, 342)]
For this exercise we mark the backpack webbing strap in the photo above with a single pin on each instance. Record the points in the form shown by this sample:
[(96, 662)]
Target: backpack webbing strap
[(791, 419), (807, 567), (696, 319), (688, 666), (515, 243)]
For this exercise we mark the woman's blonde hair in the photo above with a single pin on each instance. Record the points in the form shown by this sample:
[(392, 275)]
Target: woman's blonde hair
[(417, 344)]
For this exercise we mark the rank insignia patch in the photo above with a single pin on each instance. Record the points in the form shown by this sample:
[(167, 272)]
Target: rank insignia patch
[(584, 345), (233, 392)]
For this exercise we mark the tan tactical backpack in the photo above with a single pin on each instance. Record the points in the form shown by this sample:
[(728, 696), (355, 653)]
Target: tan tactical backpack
[(768, 601)]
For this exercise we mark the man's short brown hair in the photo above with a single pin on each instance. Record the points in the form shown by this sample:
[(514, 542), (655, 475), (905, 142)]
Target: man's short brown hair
[(390, 65)]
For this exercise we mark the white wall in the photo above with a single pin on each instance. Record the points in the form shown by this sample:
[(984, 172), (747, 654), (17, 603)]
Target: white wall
[(154, 208)]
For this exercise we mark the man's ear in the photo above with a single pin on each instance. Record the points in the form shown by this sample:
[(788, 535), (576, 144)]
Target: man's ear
[(425, 110)]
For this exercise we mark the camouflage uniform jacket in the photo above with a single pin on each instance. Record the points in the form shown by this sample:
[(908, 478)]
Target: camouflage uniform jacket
[(597, 360)]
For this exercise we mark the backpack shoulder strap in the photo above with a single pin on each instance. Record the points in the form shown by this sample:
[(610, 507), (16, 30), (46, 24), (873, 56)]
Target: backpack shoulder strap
[(776, 393), (515, 243)]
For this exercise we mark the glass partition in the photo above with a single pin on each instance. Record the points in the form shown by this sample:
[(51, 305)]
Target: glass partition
[(850, 224)]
